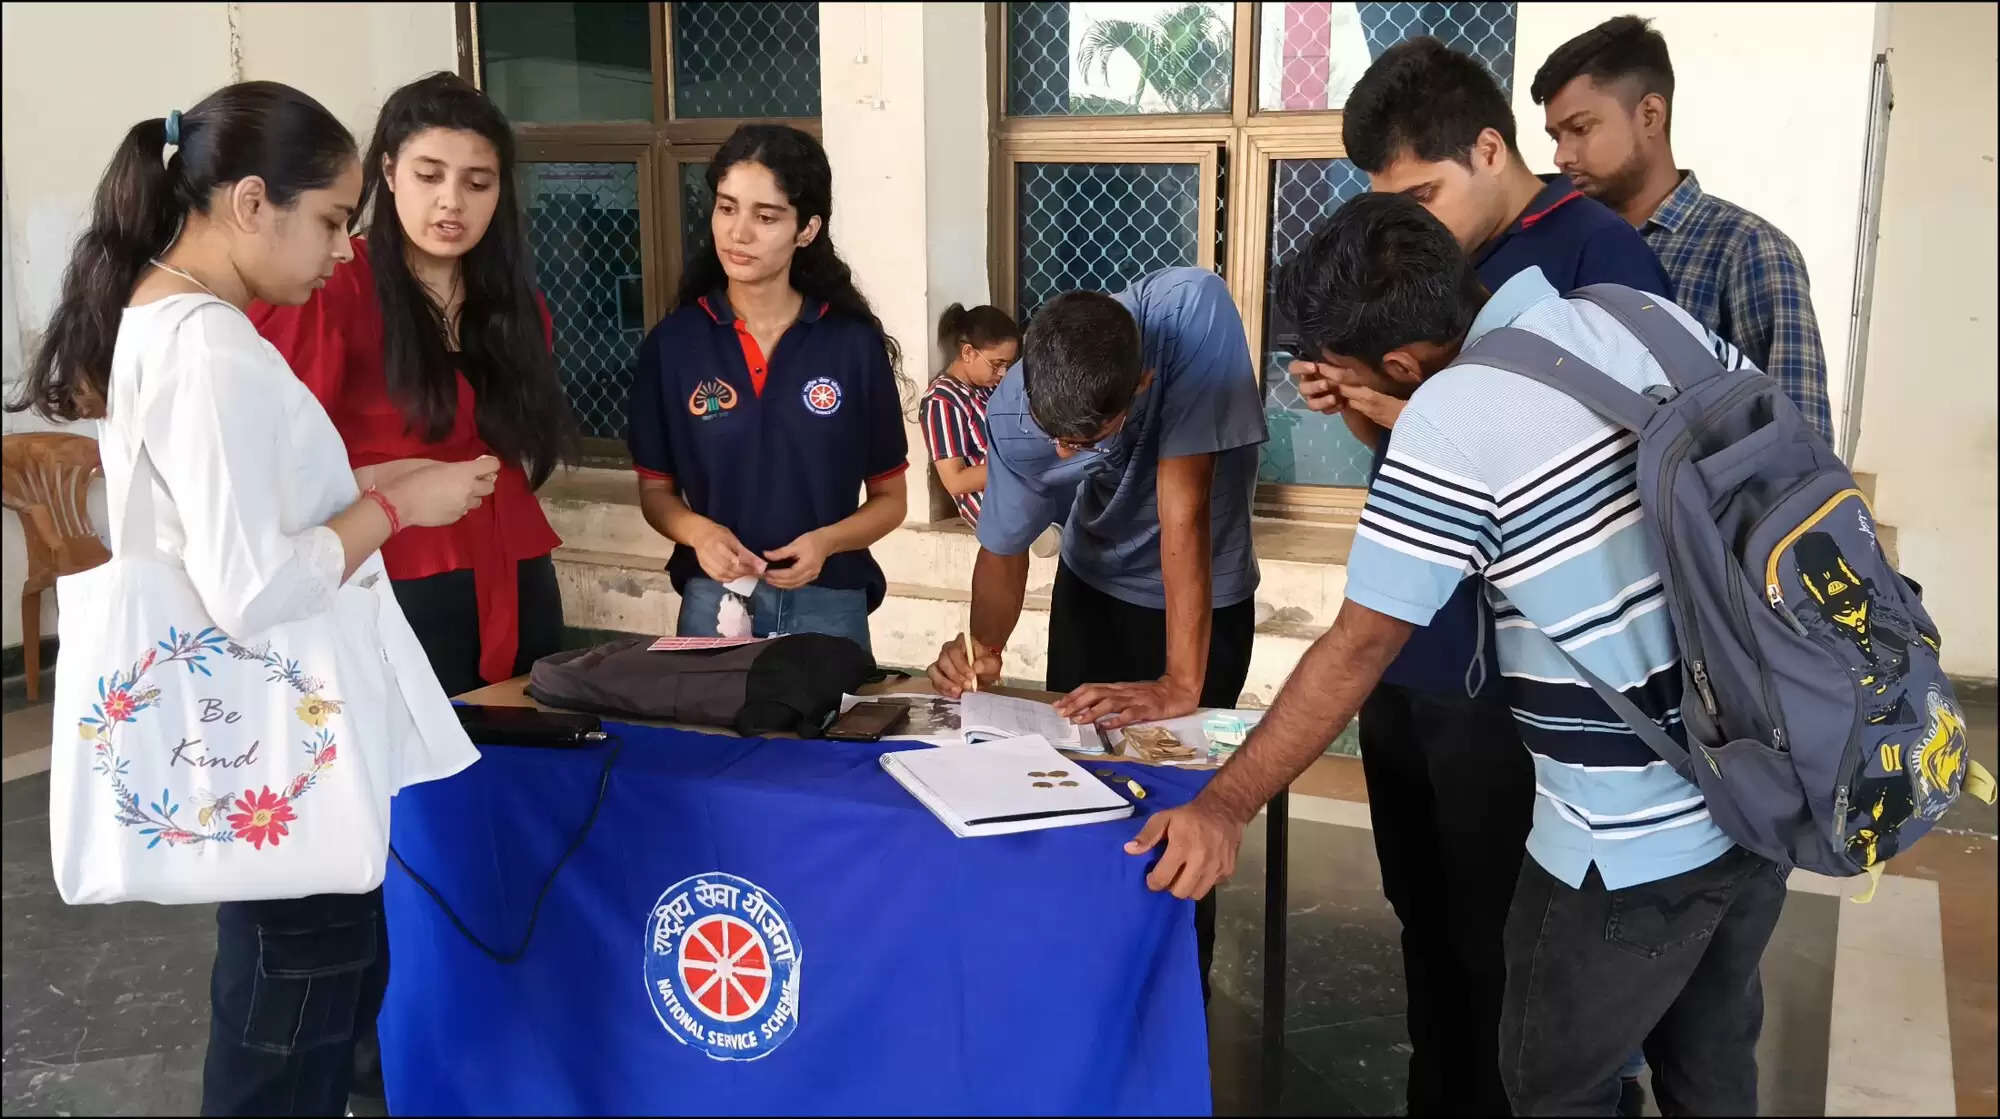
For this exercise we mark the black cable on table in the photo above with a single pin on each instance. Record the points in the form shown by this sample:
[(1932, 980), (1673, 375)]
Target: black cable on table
[(534, 914)]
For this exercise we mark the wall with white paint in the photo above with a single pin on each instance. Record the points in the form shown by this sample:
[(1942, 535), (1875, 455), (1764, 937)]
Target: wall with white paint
[(1929, 404), (62, 124), (1770, 110), (904, 121)]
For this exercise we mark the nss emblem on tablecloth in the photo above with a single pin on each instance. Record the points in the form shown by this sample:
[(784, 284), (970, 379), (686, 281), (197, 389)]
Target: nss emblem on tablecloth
[(722, 967)]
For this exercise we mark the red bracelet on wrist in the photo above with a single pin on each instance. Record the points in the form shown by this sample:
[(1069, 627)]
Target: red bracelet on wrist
[(388, 508)]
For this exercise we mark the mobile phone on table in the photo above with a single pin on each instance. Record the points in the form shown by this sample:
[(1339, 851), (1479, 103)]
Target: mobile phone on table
[(867, 722)]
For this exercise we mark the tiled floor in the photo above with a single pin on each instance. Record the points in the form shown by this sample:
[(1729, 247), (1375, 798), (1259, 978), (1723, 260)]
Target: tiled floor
[(1344, 1029), (106, 1007)]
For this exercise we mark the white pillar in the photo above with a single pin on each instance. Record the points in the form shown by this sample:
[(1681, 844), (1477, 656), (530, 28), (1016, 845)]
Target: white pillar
[(904, 119)]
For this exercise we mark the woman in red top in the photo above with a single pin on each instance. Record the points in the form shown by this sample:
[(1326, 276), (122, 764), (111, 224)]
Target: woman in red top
[(433, 344)]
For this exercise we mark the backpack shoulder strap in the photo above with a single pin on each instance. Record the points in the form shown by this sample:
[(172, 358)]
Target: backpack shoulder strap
[(1538, 359), (1648, 731), (1686, 359)]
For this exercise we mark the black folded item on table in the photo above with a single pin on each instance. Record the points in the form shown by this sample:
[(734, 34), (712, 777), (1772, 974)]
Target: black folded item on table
[(785, 685)]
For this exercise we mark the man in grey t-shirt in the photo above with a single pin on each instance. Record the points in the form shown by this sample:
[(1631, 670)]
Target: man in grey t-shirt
[(1134, 421)]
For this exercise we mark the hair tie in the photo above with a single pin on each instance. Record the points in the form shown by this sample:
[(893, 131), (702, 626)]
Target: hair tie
[(174, 129)]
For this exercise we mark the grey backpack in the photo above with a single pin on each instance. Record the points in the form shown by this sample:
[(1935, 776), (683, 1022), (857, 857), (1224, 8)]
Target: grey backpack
[(1820, 726)]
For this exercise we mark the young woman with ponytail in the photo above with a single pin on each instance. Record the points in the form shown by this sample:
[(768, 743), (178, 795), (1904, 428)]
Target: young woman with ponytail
[(978, 346), (246, 197), (767, 402)]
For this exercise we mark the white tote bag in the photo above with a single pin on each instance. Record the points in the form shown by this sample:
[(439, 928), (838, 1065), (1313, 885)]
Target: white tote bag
[(191, 766)]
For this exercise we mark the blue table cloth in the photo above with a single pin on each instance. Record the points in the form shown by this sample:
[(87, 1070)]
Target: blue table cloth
[(774, 927)]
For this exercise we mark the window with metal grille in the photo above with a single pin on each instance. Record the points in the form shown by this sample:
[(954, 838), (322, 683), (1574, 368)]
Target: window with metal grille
[(1311, 54), (618, 107), (1304, 447), (1100, 226), (583, 222), (697, 202), (1090, 198), (746, 60)]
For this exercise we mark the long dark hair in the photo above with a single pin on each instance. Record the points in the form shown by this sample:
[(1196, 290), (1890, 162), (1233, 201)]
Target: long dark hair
[(799, 164), (264, 129), (520, 407)]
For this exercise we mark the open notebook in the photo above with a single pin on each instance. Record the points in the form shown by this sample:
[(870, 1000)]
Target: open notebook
[(1004, 786), (982, 717)]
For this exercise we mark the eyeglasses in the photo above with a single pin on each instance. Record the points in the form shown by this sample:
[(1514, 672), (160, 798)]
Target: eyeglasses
[(1079, 446)]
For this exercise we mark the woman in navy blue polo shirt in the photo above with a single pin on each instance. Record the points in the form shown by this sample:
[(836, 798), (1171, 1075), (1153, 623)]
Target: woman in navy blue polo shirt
[(766, 403)]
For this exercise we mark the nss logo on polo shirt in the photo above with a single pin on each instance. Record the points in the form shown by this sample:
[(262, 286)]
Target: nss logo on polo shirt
[(822, 396)]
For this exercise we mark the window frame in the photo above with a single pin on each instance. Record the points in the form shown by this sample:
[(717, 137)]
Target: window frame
[(1250, 138), (659, 147), (677, 158)]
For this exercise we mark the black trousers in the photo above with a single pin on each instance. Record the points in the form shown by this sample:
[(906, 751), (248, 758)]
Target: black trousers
[(1451, 794), (1594, 974), (1097, 639), (297, 983), (445, 615)]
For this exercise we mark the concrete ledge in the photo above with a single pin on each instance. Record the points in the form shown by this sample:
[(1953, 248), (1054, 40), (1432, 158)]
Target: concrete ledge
[(612, 578), (611, 570), (596, 512)]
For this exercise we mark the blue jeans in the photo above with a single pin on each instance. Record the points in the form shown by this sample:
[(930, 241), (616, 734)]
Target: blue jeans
[(835, 611)]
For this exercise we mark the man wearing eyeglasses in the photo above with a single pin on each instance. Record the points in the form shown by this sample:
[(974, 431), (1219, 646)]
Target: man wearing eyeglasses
[(1134, 420)]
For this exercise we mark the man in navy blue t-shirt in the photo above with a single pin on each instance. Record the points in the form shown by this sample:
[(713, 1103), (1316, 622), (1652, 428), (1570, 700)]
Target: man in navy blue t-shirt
[(1450, 787)]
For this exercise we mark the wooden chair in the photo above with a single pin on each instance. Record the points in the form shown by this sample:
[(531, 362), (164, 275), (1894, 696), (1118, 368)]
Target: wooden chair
[(46, 479)]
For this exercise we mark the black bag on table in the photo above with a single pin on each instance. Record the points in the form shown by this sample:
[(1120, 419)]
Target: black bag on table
[(784, 685)]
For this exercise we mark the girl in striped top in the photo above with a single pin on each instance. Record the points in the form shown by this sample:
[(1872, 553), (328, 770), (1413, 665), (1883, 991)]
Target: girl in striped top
[(979, 345)]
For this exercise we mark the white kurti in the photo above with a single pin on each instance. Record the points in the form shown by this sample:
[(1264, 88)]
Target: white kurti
[(249, 469)]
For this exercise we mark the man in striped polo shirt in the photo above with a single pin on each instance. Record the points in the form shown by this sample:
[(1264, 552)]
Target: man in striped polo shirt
[(1635, 920)]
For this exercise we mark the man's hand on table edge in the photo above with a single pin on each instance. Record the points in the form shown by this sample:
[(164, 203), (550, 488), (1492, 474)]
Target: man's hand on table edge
[(1202, 839)]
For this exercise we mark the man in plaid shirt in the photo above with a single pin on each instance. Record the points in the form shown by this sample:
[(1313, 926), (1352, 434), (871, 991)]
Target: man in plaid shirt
[(1608, 98)]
